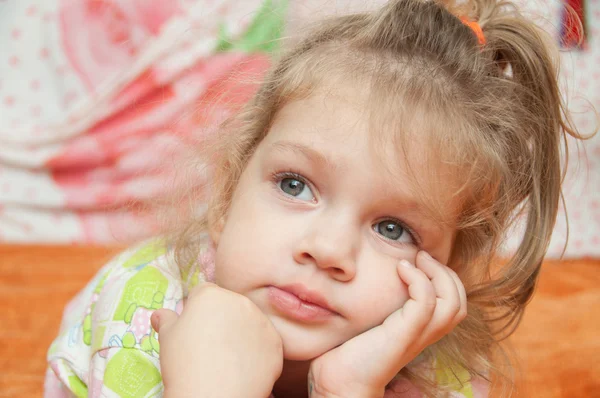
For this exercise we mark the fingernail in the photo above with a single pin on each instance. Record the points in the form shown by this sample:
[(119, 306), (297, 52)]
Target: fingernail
[(406, 264), (154, 319)]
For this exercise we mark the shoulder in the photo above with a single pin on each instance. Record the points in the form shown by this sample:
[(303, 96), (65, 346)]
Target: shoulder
[(458, 382), (141, 280), (113, 311)]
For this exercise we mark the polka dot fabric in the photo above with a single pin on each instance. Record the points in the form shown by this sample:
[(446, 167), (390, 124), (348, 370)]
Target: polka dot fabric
[(95, 95)]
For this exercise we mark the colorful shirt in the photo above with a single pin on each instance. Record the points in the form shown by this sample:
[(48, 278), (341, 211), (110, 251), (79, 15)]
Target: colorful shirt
[(107, 347)]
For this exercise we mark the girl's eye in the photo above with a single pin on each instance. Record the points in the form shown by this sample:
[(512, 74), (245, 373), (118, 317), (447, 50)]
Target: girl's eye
[(393, 230), (296, 188)]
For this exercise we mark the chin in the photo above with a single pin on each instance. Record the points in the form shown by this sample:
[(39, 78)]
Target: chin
[(293, 351), (303, 342)]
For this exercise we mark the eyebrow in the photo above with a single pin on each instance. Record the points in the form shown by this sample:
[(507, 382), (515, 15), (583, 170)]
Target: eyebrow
[(309, 153), (415, 214)]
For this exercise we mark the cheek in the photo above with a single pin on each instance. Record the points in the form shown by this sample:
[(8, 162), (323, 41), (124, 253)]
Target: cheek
[(238, 269), (377, 300), (245, 250), (225, 267)]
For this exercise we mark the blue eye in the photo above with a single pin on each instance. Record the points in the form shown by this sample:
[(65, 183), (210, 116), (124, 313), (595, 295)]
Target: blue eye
[(393, 230), (294, 186), (291, 186)]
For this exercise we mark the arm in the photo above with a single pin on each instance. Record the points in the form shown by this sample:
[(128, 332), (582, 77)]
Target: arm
[(236, 351)]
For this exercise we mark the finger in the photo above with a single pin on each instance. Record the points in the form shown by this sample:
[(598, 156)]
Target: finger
[(405, 325), (421, 292), (200, 288), (162, 319), (444, 285), (200, 292), (463, 297), (448, 297)]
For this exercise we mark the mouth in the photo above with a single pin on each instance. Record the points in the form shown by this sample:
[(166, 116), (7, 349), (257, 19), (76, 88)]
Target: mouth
[(299, 303)]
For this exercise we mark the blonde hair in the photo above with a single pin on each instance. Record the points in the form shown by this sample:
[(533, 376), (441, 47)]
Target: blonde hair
[(504, 127)]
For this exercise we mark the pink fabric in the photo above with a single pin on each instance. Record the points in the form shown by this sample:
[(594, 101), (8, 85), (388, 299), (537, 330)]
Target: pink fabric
[(101, 36), (97, 99), (94, 92)]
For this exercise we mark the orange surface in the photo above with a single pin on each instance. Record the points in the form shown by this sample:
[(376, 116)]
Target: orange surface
[(557, 341), (35, 284)]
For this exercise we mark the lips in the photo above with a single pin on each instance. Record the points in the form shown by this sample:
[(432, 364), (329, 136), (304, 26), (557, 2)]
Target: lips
[(298, 302), (308, 296)]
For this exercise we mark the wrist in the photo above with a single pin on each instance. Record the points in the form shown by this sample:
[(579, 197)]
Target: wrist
[(321, 386), (351, 391), (220, 391)]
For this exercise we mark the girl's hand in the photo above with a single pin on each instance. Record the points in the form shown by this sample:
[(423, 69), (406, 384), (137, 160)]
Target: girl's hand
[(221, 345), (365, 364)]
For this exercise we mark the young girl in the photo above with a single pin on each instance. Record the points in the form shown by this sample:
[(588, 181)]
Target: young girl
[(358, 202)]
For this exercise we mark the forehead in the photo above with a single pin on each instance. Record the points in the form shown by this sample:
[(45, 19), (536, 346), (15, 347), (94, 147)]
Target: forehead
[(324, 118)]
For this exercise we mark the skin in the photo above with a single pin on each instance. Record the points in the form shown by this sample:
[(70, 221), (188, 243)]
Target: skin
[(324, 227), (327, 239)]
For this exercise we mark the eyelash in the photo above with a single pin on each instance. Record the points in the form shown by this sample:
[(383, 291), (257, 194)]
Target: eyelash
[(277, 176), (281, 175)]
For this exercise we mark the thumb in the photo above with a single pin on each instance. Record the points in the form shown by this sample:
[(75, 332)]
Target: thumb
[(163, 318)]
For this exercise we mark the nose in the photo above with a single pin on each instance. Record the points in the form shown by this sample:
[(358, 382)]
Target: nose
[(330, 243)]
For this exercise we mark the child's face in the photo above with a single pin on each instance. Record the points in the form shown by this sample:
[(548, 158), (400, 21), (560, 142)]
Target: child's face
[(315, 211)]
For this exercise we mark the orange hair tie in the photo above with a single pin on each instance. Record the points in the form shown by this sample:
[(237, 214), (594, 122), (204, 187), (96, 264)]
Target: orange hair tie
[(476, 28)]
